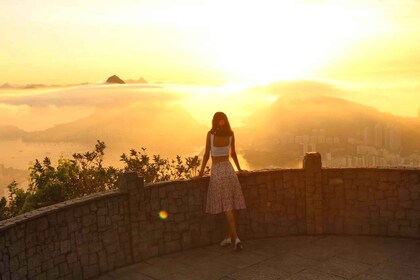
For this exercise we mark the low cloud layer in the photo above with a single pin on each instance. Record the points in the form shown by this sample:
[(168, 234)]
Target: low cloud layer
[(39, 109)]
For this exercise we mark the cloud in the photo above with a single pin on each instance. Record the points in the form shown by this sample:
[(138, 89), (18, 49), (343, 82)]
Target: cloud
[(90, 95), (40, 109), (304, 87), (402, 100)]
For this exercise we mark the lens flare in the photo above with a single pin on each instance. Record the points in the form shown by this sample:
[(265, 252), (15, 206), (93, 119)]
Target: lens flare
[(163, 215)]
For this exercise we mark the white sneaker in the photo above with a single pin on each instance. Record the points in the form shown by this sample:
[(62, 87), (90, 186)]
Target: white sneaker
[(238, 245), (226, 242)]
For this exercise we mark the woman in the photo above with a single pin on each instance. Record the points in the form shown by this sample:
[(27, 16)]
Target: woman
[(224, 192)]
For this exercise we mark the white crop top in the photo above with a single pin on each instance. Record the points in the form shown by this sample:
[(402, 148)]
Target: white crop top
[(219, 151)]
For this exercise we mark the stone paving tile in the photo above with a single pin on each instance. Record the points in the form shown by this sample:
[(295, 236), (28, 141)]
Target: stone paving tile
[(290, 263), (260, 250), (276, 246), (260, 271), (365, 255), (334, 241), (409, 258), (159, 267), (366, 276), (319, 251), (105, 277), (292, 258), (291, 243), (191, 257), (131, 272), (209, 270), (134, 276), (311, 274), (394, 246), (240, 259), (395, 271), (181, 276), (342, 267), (219, 249)]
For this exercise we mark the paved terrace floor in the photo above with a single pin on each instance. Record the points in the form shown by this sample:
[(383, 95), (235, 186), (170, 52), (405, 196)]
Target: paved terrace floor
[(294, 258)]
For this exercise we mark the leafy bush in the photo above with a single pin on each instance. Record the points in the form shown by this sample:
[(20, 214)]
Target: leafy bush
[(157, 169), (85, 174)]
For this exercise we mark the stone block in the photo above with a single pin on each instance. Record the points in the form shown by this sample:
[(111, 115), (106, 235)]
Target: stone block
[(33, 272), (53, 273), (278, 184), (387, 214), (95, 247), (407, 231), (379, 195), (413, 215), (93, 259), (102, 211), (103, 263), (14, 264), (405, 204), (63, 269), (383, 185), (403, 222), (172, 246), (403, 194), (413, 179), (162, 192), (90, 271), (42, 224)]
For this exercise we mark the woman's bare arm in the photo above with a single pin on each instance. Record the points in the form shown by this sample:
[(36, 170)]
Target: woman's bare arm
[(233, 154), (206, 155)]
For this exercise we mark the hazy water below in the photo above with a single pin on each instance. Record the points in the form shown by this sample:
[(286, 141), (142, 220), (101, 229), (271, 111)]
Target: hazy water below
[(19, 154)]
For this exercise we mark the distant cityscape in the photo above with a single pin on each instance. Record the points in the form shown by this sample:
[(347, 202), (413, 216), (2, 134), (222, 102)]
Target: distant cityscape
[(373, 146)]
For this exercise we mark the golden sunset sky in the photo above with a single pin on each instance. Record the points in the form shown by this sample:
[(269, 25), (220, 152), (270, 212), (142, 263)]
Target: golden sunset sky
[(210, 41)]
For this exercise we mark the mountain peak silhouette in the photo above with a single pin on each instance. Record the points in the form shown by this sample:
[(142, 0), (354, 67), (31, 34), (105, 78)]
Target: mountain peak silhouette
[(114, 79), (139, 81), (6, 85)]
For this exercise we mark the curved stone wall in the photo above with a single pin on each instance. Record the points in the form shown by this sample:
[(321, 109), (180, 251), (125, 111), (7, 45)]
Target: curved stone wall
[(73, 240), (83, 238), (371, 202)]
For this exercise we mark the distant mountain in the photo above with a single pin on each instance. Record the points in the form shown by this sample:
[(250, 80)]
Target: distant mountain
[(114, 79), (9, 132), (299, 114), (34, 86), (6, 86), (163, 128), (139, 81)]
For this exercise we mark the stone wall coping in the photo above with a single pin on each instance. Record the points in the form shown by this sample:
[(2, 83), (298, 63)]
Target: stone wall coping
[(379, 169), (244, 174), (48, 210)]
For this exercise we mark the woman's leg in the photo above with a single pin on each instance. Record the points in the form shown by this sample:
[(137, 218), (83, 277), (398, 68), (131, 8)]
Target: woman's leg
[(229, 233), (231, 222)]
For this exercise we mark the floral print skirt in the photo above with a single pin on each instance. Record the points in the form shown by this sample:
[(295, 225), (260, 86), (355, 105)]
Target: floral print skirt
[(224, 192)]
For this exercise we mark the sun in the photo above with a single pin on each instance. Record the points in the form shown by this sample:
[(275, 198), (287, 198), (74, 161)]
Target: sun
[(274, 40)]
